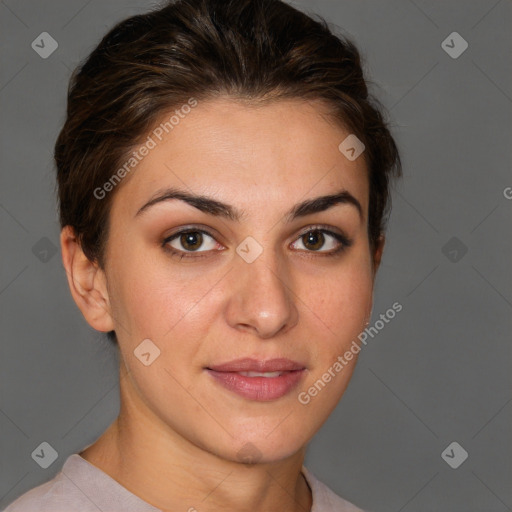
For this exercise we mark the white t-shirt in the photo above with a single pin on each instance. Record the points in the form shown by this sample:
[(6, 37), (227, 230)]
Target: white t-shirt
[(82, 487)]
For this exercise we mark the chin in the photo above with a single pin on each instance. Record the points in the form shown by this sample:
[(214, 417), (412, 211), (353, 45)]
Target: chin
[(262, 445)]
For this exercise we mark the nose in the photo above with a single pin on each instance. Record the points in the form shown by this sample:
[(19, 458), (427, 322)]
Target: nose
[(261, 299)]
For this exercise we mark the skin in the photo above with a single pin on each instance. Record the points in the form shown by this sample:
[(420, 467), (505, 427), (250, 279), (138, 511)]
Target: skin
[(176, 439)]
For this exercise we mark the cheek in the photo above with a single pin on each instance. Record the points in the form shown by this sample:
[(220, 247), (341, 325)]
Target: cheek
[(336, 311), (155, 300), (339, 300)]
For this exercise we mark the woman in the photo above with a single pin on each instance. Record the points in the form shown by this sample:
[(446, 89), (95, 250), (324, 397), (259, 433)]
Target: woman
[(223, 182)]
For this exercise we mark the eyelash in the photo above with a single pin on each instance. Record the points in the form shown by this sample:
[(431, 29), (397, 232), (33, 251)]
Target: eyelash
[(344, 242)]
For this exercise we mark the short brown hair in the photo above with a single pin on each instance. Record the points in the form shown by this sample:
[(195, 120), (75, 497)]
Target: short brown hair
[(247, 49)]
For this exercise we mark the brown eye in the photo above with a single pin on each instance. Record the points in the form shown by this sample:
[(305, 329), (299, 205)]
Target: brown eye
[(316, 239), (191, 241), (313, 240)]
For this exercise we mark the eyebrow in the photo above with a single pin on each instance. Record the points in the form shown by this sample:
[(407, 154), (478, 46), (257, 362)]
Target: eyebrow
[(214, 207)]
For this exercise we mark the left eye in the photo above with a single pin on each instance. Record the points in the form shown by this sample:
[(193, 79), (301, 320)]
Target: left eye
[(315, 239)]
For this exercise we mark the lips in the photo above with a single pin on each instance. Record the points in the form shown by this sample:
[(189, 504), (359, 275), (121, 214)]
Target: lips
[(258, 380)]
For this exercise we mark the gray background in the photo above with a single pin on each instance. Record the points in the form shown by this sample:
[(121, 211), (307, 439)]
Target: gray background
[(438, 372)]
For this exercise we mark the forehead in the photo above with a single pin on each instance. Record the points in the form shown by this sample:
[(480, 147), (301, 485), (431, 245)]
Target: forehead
[(246, 155)]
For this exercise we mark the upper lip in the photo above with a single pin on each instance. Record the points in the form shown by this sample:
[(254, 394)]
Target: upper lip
[(256, 365)]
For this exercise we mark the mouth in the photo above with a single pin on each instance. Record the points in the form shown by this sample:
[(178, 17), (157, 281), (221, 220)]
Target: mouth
[(258, 380)]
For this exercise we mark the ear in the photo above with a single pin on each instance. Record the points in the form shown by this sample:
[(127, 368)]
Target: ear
[(378, 253), (376, 258), (87, 283)]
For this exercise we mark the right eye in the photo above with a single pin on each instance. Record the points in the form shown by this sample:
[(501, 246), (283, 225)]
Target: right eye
[(188, 241)]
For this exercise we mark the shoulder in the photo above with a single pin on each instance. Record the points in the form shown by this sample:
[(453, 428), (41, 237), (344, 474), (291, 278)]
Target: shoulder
[(324, 499), (57, 495), (79, 487)]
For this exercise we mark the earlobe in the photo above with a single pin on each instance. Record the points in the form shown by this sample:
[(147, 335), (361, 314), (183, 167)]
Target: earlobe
[(87, 283)]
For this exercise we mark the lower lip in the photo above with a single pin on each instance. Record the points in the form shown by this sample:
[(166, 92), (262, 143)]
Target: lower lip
[(262, 389)]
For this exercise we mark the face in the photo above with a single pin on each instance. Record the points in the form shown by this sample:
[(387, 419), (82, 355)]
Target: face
[(253, 276)]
